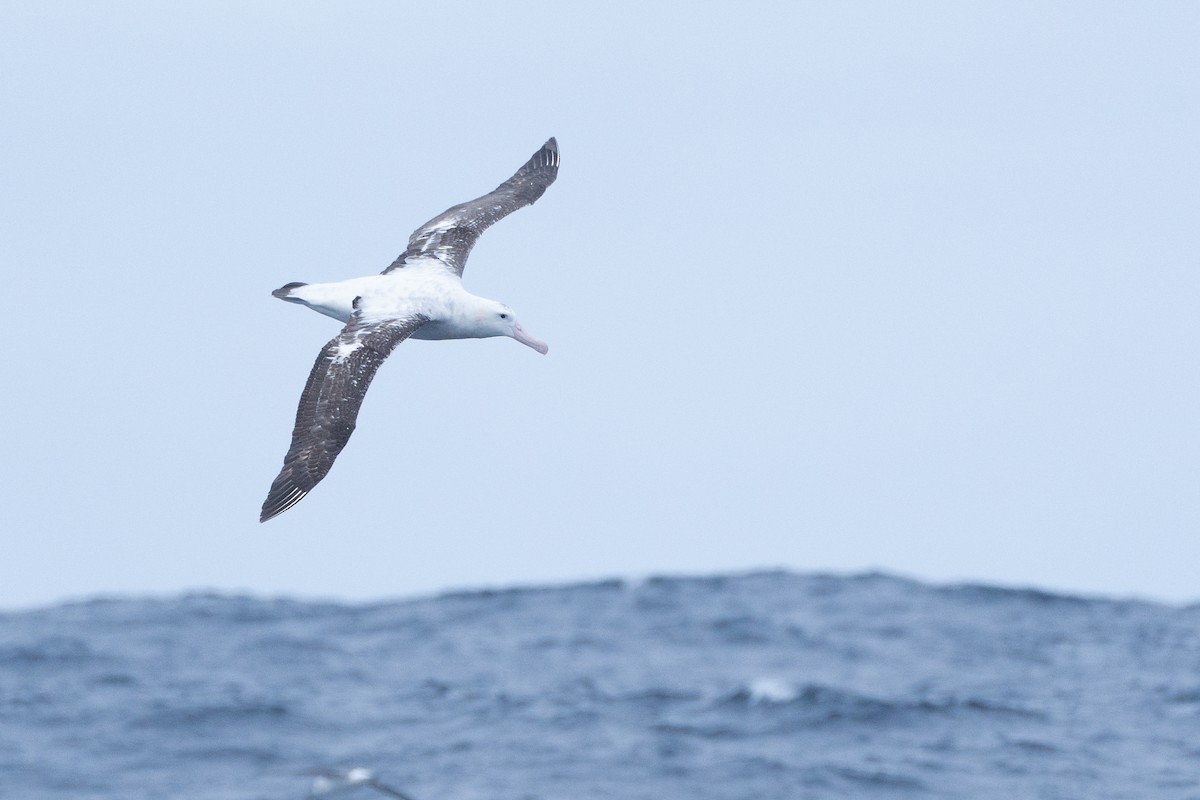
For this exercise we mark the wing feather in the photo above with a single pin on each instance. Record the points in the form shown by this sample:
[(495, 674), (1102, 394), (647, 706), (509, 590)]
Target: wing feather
[(450, 235), (330, 403)]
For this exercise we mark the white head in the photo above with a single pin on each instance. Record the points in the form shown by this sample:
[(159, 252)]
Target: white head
[(497, 319)]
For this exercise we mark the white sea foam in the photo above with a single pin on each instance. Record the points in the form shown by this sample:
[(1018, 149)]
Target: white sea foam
[(772, 690)]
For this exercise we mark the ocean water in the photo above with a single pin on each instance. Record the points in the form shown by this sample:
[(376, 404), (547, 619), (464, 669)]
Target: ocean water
[(759, 686)]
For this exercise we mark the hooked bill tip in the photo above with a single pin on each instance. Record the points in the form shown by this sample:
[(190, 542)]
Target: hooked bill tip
[(524, 338)]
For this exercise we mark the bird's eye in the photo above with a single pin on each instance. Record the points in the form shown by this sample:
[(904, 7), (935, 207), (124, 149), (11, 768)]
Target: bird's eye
[(504, 316)]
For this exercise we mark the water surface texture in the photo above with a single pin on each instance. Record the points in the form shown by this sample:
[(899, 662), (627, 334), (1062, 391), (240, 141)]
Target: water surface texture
[(769, 685)]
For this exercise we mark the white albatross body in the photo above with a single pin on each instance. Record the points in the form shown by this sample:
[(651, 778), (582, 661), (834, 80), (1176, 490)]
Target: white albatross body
[(419, 296), (424, 286)]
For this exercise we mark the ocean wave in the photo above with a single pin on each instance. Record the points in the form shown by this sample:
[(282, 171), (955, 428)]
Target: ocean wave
[(763, 685), (49, 651), (210, 714)]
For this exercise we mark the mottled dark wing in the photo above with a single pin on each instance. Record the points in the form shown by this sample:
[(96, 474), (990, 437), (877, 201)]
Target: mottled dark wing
[(451, 234), (330, 402)]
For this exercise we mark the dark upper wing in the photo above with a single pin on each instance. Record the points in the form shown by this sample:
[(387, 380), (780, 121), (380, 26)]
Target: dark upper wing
[(388, 790), (345, 779), (451, 234), (330, 402)]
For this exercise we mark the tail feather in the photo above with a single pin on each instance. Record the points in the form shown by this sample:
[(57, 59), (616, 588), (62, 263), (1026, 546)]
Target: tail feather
[(284, 292)]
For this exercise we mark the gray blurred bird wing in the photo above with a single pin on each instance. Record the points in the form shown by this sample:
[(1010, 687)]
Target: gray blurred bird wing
[(383, 788), (330, 402), (450, 235)]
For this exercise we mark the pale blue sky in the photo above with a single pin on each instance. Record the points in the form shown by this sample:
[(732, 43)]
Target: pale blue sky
[(827, 286)]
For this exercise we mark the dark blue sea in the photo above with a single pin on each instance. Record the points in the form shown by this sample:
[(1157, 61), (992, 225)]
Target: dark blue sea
[(758, 686)]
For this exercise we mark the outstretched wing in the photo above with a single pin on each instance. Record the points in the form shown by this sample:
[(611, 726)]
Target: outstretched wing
[(450, 235), (383, 788), (330, 402), (328, 781)]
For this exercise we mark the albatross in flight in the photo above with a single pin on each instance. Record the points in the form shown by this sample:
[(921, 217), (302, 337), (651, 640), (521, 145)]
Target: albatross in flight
[(420, 295)]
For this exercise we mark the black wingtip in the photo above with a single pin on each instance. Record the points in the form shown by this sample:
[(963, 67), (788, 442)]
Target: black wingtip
[(283, 495), (544, 160)]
